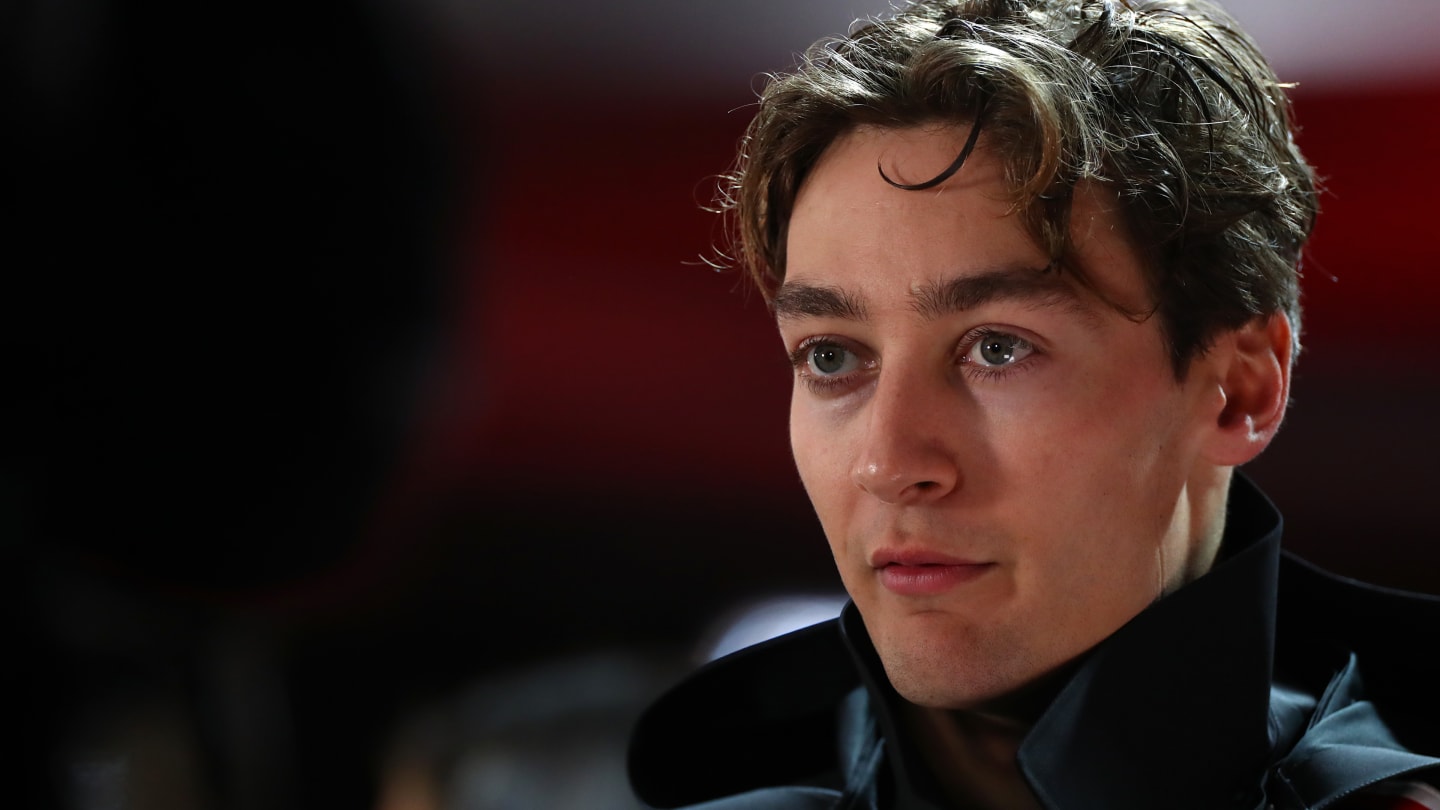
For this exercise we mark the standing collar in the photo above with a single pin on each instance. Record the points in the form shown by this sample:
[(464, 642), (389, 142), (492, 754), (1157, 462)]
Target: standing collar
[(1172, 710)]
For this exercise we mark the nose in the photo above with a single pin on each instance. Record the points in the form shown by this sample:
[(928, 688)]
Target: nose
[(908, 452)]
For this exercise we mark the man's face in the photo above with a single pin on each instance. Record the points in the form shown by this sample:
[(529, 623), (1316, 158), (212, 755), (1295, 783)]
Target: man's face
[(1005, 466)]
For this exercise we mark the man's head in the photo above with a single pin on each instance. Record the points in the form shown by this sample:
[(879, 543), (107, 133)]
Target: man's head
[(965, 219), (1168, 104)]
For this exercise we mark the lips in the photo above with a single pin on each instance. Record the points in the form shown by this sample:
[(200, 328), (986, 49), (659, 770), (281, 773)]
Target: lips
[(925, 573)]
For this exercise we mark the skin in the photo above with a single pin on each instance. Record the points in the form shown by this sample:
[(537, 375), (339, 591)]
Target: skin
[(1066, 460)]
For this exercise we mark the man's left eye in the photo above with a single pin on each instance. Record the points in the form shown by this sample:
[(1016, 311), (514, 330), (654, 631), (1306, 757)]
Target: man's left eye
[(998, 349), (831, 360)]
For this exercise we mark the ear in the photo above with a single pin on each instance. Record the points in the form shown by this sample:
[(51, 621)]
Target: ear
[(1253, 370)]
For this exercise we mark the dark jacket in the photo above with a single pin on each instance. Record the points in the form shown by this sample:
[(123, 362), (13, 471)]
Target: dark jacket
[(1266, 683)]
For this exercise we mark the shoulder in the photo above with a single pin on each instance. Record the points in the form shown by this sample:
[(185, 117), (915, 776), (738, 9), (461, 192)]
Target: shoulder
[(1391, 632), (1348, 605), (761, 717), (1366, 652), (1394, 794)]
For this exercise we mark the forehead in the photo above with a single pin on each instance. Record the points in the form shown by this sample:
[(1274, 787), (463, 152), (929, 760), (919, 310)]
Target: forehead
[(852, 229), (846, 194)]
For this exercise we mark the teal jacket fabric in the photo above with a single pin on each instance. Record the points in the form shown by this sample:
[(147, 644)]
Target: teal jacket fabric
[(1267, 683)]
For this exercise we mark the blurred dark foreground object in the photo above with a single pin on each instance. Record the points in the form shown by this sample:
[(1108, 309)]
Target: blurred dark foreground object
[(224, 244), (223, 257)]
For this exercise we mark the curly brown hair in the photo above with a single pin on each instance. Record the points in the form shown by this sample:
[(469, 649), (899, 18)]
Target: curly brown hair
[(1167, 103)]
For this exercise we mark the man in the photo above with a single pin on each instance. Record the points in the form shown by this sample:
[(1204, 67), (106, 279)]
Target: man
[(1036, 266)]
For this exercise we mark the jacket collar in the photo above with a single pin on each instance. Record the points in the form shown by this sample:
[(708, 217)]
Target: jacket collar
[(1179, 696)]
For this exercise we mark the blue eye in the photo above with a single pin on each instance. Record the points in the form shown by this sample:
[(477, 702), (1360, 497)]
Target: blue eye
[(828, 360), (999, 349)]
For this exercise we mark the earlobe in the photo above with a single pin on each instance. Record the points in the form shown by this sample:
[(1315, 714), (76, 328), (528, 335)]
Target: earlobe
[(1254, 376)]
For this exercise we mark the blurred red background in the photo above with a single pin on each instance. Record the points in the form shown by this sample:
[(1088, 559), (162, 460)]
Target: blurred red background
[(375, 353)]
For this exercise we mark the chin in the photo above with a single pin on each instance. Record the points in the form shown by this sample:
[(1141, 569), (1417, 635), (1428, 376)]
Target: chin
[(948, 675), (998, 678), (952, 690)]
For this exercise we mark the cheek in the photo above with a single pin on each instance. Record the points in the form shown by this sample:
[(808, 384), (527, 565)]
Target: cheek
[(816, 445), (802, 441), (1100, 477), (1121, 425), (823, 456)]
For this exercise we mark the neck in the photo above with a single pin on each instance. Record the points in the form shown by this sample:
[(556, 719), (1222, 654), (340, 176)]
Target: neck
[(972, 756), (971, 752)]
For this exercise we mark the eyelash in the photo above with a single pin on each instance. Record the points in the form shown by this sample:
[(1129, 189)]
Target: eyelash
[(800, 361), (976, 336), (800, 358)]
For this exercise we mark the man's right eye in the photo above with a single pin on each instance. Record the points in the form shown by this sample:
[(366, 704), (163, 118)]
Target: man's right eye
[(830, 360)]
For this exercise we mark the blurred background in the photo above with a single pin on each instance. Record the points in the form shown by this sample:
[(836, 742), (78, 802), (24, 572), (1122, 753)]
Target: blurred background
[(376, 435)]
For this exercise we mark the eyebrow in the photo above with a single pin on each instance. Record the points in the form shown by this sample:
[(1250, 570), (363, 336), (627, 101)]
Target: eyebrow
[(1039, 286), (800, 300)]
